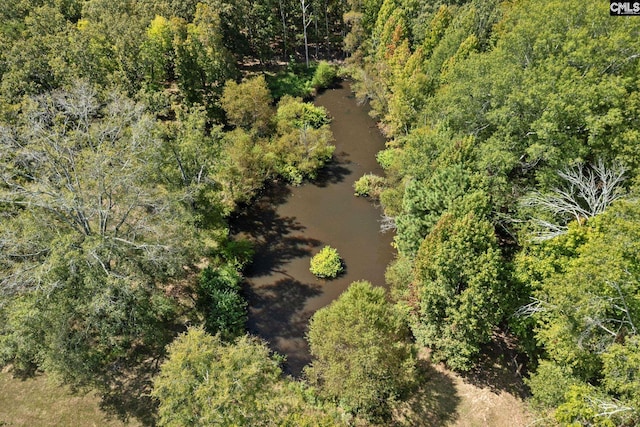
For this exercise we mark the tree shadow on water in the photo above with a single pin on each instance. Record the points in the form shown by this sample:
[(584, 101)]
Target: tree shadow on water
[(275, 247), (273, 194), (277, 314), (336, 85), (276, 299), (335, 171), (271, 234)]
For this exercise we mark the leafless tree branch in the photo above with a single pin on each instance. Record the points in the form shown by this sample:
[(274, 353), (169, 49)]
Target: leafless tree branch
[(387, 223), (587, 192)]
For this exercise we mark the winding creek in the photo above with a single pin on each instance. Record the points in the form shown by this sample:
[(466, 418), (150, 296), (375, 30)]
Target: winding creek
[(290, 224)]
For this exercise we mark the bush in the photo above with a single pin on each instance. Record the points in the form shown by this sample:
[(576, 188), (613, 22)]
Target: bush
[(292, 174), (289, 83), (369, 185), (237, 253), (387, 157), (326, 264), (219, 299), (324, 75)]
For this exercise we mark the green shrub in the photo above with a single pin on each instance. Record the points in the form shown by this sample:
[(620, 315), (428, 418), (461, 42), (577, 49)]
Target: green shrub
[(369, 185), (324, 75), (391, 201), (326, 264), (289, 83), (387, 157), (549, 384), (237, 252), (219, 299), (292, 174)]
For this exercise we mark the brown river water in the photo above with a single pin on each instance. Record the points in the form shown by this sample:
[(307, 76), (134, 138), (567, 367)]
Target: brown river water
[(289, 224)]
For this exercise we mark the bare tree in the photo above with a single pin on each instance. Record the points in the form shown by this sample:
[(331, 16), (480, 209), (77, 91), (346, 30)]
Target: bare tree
[(90, 236), (82, 169), (608, 316), (607, 409), (306, 21), (587, 191), (284, 30), (602, 328), (387, 223)]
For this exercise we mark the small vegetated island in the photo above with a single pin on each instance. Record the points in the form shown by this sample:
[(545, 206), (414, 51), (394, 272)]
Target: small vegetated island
[(131, 131), (327, 263)]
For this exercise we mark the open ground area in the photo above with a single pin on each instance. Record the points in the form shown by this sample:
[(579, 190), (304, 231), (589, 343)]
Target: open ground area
[(40, 402)]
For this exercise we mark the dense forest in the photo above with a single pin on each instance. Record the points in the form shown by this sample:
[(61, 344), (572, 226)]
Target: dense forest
[(131, 131)]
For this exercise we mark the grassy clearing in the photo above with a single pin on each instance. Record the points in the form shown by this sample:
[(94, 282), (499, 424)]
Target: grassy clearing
[(481, 407), (39, 402), (446, 399)]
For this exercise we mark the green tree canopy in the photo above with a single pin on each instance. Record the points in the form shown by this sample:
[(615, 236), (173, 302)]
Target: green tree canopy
[(362, 353), (461, 288), (248, 104), (219, 298), (303, 141), (208, 382), (203, 62), (87, 236), (587, 313)]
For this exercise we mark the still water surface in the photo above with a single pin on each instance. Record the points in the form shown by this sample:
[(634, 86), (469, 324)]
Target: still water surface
[(290, 224)]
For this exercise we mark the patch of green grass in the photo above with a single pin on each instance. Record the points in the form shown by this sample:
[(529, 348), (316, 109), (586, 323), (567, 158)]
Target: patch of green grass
[(294, 80), (39, 402), (298, 80)]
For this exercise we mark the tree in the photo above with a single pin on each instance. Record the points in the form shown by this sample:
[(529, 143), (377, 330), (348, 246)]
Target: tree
[(203, 63), (88, 237), (157, 52), (585, 284), (29, 60), (306, 21), (248, 105), (251, 28), (460, 288), (597, 283), (283, 20), (108, 41), (225, 310), (587, 192), (362, 352), (426, 200), (250, 154), (243, 167), (205, 382), (302, 144), (187, 161), (361, 17), (324, 75)]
